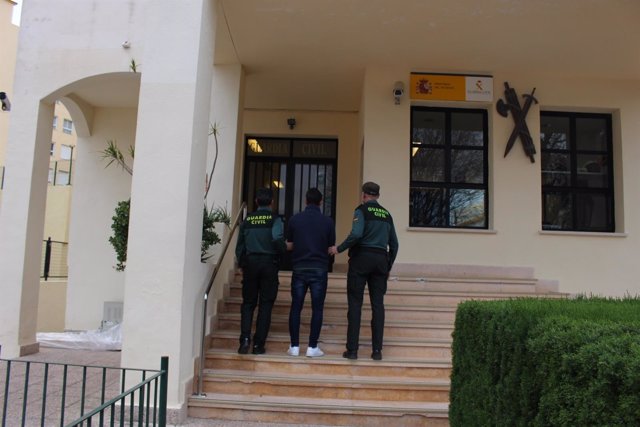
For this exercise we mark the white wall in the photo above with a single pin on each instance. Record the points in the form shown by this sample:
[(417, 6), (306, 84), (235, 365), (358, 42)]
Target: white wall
[(96, 191), (602, 263)]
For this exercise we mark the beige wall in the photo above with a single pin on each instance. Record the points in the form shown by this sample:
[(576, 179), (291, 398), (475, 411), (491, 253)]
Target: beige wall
[(8, 46), (600, 263), (9, 37), (51, 305), (56, 221)]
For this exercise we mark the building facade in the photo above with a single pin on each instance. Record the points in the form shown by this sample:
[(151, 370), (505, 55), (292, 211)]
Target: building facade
[(421, 97)]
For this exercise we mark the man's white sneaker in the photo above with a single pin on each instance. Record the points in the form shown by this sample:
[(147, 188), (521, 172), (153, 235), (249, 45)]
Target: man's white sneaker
[(293, 351), (314, 352)]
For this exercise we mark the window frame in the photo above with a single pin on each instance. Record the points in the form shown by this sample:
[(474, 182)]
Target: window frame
[(447, 184), (574, 189), (69, 129)]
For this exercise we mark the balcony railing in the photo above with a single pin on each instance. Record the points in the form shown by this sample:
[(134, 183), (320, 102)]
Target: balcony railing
[(54, 259)]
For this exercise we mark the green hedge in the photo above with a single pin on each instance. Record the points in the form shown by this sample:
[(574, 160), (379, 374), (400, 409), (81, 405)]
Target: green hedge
[(538, 362)]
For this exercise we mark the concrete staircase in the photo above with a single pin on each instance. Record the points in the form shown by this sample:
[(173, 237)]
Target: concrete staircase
[(409, 387)]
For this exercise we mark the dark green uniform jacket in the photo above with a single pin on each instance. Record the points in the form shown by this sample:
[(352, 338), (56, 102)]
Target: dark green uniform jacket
[(261, 233), (372, 228)]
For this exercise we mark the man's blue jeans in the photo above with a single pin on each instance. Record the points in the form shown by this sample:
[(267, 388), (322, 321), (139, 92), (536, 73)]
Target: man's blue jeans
[(316, 281)]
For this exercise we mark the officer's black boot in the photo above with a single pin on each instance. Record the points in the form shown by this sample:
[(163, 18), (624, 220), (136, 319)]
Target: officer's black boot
[(244, 346)]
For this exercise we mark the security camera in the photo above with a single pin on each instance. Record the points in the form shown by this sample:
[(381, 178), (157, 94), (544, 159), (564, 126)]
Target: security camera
[(6, 105), (398, 91)]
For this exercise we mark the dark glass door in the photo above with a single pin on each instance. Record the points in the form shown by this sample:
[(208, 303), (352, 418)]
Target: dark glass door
[(290, 167)]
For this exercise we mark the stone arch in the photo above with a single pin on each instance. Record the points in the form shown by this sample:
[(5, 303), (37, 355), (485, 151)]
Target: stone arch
[(81, 97)]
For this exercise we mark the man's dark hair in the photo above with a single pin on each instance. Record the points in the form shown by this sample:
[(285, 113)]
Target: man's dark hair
[(314, 196), (264, 196)]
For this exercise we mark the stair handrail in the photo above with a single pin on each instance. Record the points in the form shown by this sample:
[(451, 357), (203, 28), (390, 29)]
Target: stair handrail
[(239, 217)]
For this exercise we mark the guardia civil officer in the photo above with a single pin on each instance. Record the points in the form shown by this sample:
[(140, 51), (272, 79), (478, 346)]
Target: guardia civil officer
[(260, 244), (373, 246)]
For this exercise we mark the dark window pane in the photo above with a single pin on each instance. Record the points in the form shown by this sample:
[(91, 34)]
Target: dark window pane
[(554, 133), (591, 133), (556, 169), (467, 129), (427, 165), (467, 208), (467, 166), (593, 212), (428, 127), (593, 171), (427, 207), (557, 211)]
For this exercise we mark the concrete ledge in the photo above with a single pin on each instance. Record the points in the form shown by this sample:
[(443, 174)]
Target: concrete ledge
[(28, 349)]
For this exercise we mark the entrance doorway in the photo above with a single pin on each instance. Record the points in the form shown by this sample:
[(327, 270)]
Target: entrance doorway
[(290, 166)]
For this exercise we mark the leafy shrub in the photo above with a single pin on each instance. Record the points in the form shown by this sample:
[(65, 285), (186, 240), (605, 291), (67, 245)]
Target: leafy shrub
[(546, 362)]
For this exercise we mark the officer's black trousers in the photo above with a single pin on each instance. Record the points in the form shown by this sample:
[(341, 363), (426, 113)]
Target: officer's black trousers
[(259, 287), (366, 268)]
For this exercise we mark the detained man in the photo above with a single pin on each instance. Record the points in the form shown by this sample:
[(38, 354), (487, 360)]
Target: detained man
[(309, 237)]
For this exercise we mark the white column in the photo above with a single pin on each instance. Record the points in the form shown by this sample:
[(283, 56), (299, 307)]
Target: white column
[(164, 275), (22, 221), (226, 113)]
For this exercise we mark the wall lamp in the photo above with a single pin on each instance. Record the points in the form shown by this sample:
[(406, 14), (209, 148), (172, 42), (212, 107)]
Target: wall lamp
[(6, 105), (398, 91), (291, 122)]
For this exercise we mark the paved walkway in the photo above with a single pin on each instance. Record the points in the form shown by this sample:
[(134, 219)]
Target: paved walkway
[(74, 378)]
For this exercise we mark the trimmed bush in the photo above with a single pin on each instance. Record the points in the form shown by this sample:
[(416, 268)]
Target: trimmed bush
[(546, 362)]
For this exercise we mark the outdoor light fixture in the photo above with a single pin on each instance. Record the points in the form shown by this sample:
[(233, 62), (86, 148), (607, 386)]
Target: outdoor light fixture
[(6, 105), (398, 91), (291, 122)]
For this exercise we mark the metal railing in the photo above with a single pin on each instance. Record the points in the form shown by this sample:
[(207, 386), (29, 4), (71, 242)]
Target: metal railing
[(54, 259), (41, 393), (239, 217)]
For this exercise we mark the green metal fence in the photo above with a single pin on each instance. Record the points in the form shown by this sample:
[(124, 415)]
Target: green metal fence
[(41, 393)]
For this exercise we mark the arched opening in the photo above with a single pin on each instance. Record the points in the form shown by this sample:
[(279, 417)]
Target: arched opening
[(81, 197)]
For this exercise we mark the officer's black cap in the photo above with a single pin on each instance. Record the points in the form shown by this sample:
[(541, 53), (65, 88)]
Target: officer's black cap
[(371, 188)]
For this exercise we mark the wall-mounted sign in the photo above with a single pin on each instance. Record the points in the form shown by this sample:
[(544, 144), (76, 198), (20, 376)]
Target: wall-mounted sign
[(451, 87)]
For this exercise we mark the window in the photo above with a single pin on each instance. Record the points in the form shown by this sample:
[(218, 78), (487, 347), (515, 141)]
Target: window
[(55, 122), (62, 178), (577, 172), (448, 168), (53, 145), (67, 126), (65, 152)]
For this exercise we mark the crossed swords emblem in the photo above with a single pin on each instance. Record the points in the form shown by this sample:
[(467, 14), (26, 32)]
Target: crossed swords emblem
[(519, 115)]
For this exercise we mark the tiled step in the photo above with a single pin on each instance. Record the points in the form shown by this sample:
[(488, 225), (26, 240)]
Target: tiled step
[(278, 343), (405, 296), (323, 386), (338, 326), (393, 312), (429, 284), (328, 365), (343, 412)]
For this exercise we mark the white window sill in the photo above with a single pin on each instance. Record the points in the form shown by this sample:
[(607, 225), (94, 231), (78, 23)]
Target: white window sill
[(580, 233), (451, 230)]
